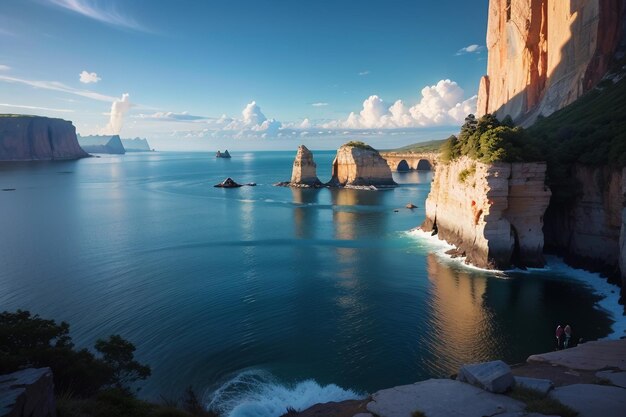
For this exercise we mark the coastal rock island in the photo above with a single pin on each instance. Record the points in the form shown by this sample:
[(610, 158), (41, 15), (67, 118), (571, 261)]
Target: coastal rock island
[(107, 144), (492, 213), (359, 165), (304, 173), (32, 138), (136, 145), (224, 154)]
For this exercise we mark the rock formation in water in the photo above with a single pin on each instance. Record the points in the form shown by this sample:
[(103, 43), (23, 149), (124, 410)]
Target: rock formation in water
[(544, 54), (102, 144), (29, 138), (225, 154), (492, 213), (358, 164), (304, 173), (136, 145)]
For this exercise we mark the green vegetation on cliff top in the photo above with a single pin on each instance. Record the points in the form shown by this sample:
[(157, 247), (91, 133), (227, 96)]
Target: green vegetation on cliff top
[(429, 146), (359, 144)]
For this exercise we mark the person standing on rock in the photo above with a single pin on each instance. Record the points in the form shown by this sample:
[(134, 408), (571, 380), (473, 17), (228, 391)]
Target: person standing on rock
[(559, 337), (568, 336)]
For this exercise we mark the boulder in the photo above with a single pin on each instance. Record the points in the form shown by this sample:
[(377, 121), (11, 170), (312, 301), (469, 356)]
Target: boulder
[(492, 376), (616, 378), (27, 393), (541, 385), (358, 164), (304, 171), (228, 183), (411, 206)]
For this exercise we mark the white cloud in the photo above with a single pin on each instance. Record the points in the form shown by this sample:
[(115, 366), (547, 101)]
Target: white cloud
[(57, 86), (471, 49), (94, 10), (252, 114), (319, 104), (4, 67), (366, 72), (89, 77), (118, 109), (306, 124), (441, 104), (171, 116), (19, 106)]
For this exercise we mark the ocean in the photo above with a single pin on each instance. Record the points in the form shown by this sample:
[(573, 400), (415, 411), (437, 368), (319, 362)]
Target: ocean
[(264, 296)]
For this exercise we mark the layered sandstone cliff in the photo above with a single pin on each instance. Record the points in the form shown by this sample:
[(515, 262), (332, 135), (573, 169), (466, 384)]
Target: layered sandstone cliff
[(102, 144), (357, 164), (28, 138), (304, 173), (544, 54), (492, 213), (589, 231)]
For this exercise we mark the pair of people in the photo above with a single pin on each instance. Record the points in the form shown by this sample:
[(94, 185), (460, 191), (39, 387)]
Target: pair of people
[(563, 336)]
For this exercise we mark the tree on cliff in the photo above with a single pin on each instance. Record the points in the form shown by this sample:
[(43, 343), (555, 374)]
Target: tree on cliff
[(30, 341)]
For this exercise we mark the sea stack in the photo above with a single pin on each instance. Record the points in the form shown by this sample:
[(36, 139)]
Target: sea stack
[(304, 172), (359, 165), (222, 155), (33, 138)]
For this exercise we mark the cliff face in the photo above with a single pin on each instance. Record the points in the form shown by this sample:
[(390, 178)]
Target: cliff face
[(304, 171), (102, 144), (28, 138), (590, 230), (360, 166), (492, 213), (544, 54), (136, 145)]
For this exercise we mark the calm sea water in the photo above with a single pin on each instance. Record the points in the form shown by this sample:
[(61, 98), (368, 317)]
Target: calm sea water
[(258, 289)]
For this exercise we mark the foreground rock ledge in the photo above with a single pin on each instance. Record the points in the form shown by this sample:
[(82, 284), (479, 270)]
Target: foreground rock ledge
[(27, 393)]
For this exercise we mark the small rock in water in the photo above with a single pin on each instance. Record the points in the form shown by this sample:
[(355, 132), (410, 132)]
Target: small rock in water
[(8, 189), (411, 206), (227, 183)]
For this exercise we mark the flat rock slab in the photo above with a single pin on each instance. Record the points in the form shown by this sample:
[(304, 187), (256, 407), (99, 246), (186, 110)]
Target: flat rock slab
[(494, 376), (537, 384), (590, 356), (616, 378), (29, 392), (440, 398), (593, 400)]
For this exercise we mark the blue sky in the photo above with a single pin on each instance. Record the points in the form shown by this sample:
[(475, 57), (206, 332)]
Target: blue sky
[(201, 74)]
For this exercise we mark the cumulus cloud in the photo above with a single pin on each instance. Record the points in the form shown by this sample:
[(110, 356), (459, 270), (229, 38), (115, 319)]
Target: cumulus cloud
[(440, 104), (89, 77), (471, 49), (119, 108), (252, 115)]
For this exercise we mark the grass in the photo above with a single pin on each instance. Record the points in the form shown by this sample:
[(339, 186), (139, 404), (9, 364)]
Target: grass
[(536, 402), (466, 173), (429, 146)]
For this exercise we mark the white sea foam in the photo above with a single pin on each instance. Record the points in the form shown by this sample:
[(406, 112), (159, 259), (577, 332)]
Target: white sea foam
[(609, 293), (256, 393)]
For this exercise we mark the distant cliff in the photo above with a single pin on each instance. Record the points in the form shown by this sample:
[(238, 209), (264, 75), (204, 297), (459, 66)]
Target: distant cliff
[(102, 144), (544, 54), (136, 145), (493, 213), (29, 138)]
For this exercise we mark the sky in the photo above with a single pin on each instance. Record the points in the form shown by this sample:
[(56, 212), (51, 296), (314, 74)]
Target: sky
[(246, 74)]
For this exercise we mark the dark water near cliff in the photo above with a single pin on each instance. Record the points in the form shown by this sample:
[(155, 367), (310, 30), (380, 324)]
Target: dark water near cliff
[(265, 284)]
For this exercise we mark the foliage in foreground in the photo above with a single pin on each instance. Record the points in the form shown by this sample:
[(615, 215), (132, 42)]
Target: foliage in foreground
[(536, 402), (31, 341)]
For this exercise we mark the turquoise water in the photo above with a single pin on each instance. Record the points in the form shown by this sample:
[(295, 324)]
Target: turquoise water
[(262, 286)]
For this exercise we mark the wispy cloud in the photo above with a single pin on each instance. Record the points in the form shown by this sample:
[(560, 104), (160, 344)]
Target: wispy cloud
[(366, 72), (57, 86), (105, 13), (20, 106), (89, 77), (4, 67), (470, 49), (171, 116), (319, 104)]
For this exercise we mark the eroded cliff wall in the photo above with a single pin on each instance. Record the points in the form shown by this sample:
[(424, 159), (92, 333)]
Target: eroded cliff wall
[(492, 213), (589, 231), (544, 54), (28, 138)]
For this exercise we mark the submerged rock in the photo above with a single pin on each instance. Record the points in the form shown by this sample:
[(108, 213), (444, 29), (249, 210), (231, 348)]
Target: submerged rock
[(358, 164)]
